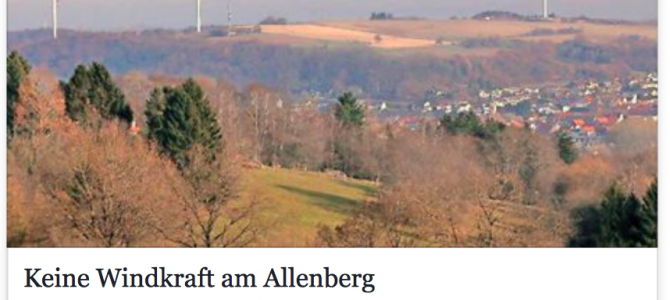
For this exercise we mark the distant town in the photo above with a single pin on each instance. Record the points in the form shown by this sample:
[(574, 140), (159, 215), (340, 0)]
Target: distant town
[(586, 110)]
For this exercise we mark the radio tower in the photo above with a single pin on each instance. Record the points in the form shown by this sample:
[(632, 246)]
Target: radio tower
[(54, 17)]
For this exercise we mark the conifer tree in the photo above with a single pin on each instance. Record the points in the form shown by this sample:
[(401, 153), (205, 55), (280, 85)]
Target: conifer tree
[(349, 112), (650, 202), (350, 115), (211, 131), (180, 118), (586, 224), (619, 221), (92, 87), (469, 124), (567, 149), (18, 69)]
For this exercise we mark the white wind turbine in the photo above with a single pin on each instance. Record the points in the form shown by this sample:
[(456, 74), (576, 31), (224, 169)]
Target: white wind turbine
[(545, 9), (54, 17), (198, 15), (230, 18)]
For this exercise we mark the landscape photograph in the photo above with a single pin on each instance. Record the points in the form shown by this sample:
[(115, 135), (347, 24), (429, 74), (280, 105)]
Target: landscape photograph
[(295, 123)]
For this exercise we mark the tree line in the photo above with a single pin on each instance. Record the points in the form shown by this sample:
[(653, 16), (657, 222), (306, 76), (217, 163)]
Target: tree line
[(106, 186), (334, 70), (108, 176)]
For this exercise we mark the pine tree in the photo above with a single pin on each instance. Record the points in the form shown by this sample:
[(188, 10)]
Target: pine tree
[(93, 87), (18, 69), (349, 112), (211, 131), (587, 229), (650, 222), (493, 128), (350, 115), (469, 124), (567, 149), (619, 221), (181, 117)]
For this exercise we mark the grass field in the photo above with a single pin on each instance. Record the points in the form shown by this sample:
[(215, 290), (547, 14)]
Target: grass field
[(294, 203)]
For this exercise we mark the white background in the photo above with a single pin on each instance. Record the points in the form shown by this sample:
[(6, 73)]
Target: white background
[(400, 273), (473, 274)]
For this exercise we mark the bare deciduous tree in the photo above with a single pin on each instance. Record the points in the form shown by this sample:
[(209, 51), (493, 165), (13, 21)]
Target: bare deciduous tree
[(214, 215), (108, 187)]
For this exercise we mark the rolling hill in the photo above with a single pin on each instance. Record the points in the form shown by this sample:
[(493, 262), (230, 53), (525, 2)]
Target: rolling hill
[(396, 60), (295, 203), (458, 30)]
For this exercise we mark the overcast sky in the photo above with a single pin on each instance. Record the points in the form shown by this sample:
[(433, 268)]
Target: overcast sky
[(129, 14)]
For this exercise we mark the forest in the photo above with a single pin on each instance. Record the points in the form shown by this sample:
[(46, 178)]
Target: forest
[(145, 160), (335, 69)]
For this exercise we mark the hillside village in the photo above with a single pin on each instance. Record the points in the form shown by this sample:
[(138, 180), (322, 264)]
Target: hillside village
[(586, 110)]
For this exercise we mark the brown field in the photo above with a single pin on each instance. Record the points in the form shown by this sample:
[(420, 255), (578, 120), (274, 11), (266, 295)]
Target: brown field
[(335, 34), (463, 29), (410, 37), (400, 38), (268, 38)]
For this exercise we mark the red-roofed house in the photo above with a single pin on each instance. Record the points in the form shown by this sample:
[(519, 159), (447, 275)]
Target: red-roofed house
[(589, 129), (605, 120)]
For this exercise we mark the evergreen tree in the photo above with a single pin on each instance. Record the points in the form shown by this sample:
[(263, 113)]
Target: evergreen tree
[(650, 221), (567, 149), (469, 124), (493, 128), (587, 229), (619, 221), (349, 112), (211, 132), (18, 69), (93, 87), (463, 123), (179, 118)]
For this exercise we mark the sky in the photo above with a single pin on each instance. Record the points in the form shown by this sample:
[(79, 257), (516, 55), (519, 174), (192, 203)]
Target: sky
[(139, 14)]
